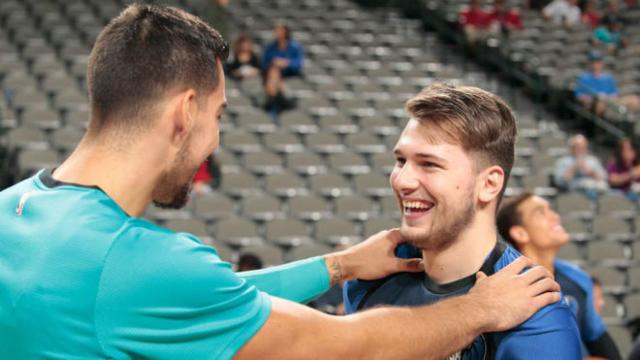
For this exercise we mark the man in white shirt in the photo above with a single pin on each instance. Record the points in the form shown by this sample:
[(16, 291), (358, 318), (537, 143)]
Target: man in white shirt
[(562, 12)]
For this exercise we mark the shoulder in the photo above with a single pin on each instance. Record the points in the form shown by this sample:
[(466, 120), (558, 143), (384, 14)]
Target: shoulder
[(574, 273)]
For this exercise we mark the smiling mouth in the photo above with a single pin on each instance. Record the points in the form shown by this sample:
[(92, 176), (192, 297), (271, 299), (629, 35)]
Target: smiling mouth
[(416, 208)]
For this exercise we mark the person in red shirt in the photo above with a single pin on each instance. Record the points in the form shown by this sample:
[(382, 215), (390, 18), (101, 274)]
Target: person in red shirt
[(476, 22), (590, 15), (505, 18)]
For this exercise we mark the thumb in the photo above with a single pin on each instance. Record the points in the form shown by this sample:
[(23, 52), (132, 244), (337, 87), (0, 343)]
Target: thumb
[(480, 276), (410, 265)]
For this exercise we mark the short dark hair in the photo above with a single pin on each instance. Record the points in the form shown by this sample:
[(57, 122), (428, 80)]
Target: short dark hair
[(509, 216), (142, 53), (249, 261), (476, 119)]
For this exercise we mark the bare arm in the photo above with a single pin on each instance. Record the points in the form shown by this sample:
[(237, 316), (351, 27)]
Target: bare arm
[(495, 303)]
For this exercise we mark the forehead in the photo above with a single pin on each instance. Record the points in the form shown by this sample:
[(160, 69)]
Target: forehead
[(420, 138), (532, 203)]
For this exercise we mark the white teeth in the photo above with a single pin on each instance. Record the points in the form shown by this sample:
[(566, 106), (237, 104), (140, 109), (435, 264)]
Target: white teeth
[(416, 205)]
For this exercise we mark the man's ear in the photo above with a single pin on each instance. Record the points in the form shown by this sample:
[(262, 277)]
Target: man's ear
[(519, 235), (492, 179), (184, 115)]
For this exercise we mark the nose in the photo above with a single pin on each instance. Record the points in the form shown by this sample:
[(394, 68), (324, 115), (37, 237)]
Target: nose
[(404, 179)]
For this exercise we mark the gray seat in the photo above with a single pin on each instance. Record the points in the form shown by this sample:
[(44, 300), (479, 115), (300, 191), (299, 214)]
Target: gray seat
[(25, 137), (262, 163), (261, 208), (257, 122), (364, 143), (337, 232), (283, 142), (237, 232), (374, 226), (324, 143), (310, 208), (30, 161), (349, 163), (269, 254), (285, 185), (618, 206), (213, 206), (240, 142), (383, 163), (305, 251), (287, 232), (306, 163), (390, 208), (297, 122), (612, 228), (241, 184), (373, 185), (608, 276), (192, 226), (380, 125), (338, 124), (355, 208), (329, 185), (622, 337), (606, 250), (571, 252), (43, 119), (67, 138), (634, 277), (575, 205)]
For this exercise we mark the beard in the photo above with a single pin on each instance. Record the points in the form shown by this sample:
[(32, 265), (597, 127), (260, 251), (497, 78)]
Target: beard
[(444, 229), (174, 186)]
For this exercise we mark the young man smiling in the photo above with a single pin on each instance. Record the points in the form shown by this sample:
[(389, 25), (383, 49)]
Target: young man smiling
[(530, 225), (452, 163)]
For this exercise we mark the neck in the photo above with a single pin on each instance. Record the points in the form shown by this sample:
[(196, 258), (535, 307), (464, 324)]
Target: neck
[(540, 256), (126, 174), (465, 255)]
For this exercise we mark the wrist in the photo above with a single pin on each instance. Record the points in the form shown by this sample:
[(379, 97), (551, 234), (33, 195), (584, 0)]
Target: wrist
[(338, 267), (475, 312)]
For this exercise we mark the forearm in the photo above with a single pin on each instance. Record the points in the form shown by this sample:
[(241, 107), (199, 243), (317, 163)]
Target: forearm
[(298, 281), (410, 333), (620, 179)]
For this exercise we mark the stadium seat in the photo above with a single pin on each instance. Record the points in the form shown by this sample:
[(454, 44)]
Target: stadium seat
[(263, 163), (575, 205), (192, 226), (237, 232), (269, 254), (606, 250), (354, 208), (616, 205), (310, 208), (287, 232), (241, 184), (213, 206), (336, 231), (261, 208), (612, 228), (285, 184), (305, 251), (348, 163), (329, 185), (306, 163)]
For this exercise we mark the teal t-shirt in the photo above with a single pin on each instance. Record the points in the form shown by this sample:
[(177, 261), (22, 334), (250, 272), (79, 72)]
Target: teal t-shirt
[(79, 278)]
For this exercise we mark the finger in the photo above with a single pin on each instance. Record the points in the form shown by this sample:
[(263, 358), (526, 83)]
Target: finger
[(480, 276), (534, 274), (517, 266), (545, 299), (542, 286), (410, 265)]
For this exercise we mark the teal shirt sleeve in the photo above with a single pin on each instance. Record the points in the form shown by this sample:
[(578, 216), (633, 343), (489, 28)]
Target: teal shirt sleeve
[(167, 296), (300, 281)]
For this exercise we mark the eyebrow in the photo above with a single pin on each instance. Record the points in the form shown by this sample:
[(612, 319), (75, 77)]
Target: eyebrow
[(398, 152)]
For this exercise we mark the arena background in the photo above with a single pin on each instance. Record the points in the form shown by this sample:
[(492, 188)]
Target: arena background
[(316, 177)]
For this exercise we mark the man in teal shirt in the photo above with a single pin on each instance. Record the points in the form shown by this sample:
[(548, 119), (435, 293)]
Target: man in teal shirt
[(83, 276)]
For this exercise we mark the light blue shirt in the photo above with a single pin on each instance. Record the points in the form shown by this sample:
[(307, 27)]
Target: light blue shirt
[(79, 278)]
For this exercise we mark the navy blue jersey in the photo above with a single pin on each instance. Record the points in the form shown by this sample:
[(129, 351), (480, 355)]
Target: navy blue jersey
[(549, 334), (577, 290)]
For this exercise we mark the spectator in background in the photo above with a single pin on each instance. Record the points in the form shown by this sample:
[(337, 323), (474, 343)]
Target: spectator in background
[(590, 15), (284, 53), (245, 62), (275, 100), (598, 299), (531, 226), (595, 88), (248, 262), (609, 35), (580, 171), (562, 12), (216, 13), (624, 169), (208, 177), (476, 22), (505, 18), (613, 11)]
